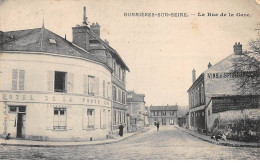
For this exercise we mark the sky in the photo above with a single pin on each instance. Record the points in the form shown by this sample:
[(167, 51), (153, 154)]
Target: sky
[(159, 51)]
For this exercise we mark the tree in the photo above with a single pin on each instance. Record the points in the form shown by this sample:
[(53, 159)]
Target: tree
[(247, 68)]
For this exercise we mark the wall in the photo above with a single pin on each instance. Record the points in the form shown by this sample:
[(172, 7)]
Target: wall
[(40, 101)]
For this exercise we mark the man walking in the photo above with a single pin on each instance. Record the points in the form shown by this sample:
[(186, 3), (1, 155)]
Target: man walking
[(158, 125)]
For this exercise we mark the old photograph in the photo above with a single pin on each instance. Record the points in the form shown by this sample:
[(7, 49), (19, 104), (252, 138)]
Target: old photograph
[(129, 80)]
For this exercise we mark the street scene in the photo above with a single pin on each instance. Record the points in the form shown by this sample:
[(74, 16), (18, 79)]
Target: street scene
[(132, 80), (166, 144)]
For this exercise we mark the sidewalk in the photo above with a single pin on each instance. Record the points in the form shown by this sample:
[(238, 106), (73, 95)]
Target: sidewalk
[(30, 143), (220, 142)]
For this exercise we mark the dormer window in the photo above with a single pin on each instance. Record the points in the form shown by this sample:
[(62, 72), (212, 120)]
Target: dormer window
[(52, 41)]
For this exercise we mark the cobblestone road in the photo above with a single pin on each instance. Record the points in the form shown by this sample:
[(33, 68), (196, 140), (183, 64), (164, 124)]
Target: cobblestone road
[(168, 143)]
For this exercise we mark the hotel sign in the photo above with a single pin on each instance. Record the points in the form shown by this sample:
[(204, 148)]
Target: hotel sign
[(221, 104), (54, 99)]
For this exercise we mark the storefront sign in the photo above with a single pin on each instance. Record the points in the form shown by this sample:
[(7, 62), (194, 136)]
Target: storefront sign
[(220, 75), (220, 104), (53, 99)]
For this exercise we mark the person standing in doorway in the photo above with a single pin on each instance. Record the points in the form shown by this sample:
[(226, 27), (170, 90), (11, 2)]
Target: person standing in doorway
[(158, 125), (121, 129)]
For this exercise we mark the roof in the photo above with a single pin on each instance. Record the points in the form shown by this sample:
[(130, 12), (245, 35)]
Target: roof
[(96, 38), (133, 97), (41, 40), (224, 65), (167, 107)]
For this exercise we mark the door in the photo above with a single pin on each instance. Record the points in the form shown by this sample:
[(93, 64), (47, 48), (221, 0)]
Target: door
[(163, 121), (20, 125), (21, 118), (171, 121)]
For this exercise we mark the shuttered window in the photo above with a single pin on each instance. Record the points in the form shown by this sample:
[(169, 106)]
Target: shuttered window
[(14, 79), (91, 85), (21, 79), (18, 78)]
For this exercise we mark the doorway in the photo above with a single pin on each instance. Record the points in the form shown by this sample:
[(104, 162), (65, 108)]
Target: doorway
[(21, 119)]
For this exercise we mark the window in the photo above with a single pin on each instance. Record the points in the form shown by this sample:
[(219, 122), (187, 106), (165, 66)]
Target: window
[(59, 84), (208, 112), (119, 117), (15, 76), (171, 112), (119, 72), (202, 93), (156, 113), (163, 113), (115, 71), (52, 41), (12, 109), (59, 118), (114, 93), (203, 114), (91, 85), (124, 117), (104, 88), (91, 118), (123, 78), (123, 97)]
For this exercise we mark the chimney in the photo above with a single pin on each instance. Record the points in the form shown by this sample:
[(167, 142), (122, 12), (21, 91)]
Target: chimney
[(237, 48), (209, 65), (95, 28), (193, 76), (80, 33), (106, 41)]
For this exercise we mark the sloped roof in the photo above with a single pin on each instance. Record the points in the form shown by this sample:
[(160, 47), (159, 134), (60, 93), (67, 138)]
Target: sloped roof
[(135, 97), (41, 40), (167, 107), (95, 38)]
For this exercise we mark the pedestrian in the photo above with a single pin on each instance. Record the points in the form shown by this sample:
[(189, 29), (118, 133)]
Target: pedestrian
[(154, 122), (158, 125), (121, 129), (7, 137)]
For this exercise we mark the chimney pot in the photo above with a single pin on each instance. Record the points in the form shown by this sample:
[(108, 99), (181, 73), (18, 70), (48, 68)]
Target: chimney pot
[(209, 65), (95, 28), (237, 48), (193, 76)]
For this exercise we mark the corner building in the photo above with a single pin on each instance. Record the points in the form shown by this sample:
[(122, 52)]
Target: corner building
[(216, 103), (52, 89)]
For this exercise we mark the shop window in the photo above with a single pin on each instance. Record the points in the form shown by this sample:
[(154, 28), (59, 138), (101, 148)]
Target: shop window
[(12, 109), (91, 118), (60, 81), (59, 118)]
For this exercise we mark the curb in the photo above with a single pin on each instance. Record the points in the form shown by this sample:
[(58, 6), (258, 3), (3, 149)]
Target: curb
[(68, 145), (222, 143)]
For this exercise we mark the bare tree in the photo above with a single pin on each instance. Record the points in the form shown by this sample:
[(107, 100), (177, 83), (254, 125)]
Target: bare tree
[(246, 68)]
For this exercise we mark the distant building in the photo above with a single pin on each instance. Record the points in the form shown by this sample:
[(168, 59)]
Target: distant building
[(135, 111), (215, 103), (166, 115)]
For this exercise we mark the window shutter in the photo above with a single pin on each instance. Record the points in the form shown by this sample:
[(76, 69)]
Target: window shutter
[(70, 118), (96, 89), (84, 119), (50, 81), (21, 79), (109, 91), (49, 118), (14, 79), (85, 84), (70, 83)]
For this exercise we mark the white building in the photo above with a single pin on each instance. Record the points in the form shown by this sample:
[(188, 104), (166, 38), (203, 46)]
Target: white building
[(52, 89)]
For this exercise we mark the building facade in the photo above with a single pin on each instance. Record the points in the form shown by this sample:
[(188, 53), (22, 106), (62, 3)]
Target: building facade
[(216, 103), (166, 115), (106, 53), (52, 89), (135, 111)]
